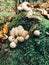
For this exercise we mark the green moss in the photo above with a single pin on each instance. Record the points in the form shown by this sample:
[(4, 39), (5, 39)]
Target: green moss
[(35, 50)]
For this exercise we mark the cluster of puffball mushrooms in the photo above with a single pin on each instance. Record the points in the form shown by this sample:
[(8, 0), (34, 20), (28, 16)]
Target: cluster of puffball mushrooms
[(17, 34)]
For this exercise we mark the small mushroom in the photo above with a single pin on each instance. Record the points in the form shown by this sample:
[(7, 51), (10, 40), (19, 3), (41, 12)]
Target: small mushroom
[(20, 39), (36, 32), (6, 49), (12, 45), (16, 41), (27, 37), (25, 33), (11, 38), (16, 31), (20, 32), (12, 32), (20, 27)]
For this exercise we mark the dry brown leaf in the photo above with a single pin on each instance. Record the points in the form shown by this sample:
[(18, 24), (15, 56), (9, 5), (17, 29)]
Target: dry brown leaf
[(37, 6), (47, 9), (46, 15), (2, 35), (29, 5), (32, 28), (45, 5), (34, 17), (4, 31)]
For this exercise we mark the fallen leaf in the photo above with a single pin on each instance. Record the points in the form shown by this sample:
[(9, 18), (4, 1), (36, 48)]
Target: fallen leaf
[(5, 28), (34, 17), (32, 28)]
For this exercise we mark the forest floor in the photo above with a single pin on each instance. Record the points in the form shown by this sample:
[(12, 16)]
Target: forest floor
[(35, 50)]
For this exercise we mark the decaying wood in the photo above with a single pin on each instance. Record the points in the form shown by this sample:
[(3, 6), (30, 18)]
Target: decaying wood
[(34, 17)]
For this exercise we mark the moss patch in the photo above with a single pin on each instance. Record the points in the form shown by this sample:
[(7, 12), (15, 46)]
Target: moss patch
[(35, 50)]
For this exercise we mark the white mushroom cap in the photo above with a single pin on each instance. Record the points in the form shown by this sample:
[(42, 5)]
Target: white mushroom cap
[(16, 31), (25, 33), (20, 27), (27, 37), (20, 32), (12, 32), (36, 32), (11, 38), (16, 41), (20, 8), (12, 45), (20, 39)]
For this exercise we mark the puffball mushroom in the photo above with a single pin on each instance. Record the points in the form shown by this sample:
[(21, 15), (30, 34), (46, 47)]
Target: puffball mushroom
[(11, 38), (16, 41), (20, 32), (36, 32), (12, 32), (16, 31), (19, 35), (12, 45), (25, 33), (27, 37), (20, 39), (20, 27)]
